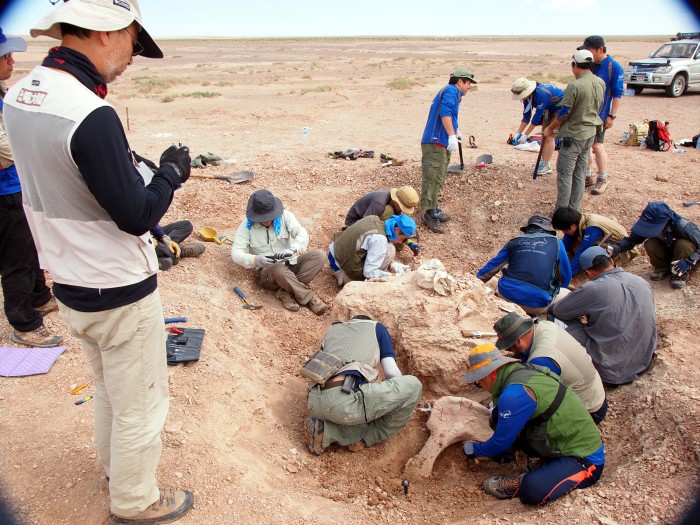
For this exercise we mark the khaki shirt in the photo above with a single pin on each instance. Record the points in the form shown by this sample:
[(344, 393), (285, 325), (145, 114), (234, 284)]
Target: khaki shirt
[(584, 96)]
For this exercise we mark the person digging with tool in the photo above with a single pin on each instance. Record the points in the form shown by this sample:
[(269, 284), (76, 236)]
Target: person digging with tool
[(534, 265), (384, 204), (540, 415), (613, 316), (576, 123), (547, 344), (671, 242), (347, 404), (583, 230), (546, 100), (366, 250), (271, 241), (27, 299), (440, 139), (90, 211)]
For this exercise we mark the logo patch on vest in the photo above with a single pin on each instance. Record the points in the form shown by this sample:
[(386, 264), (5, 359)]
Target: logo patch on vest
[(31, 98), (122, 3), (36, 82)]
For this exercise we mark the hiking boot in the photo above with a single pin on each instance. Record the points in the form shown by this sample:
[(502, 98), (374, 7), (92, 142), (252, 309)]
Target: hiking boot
[(659, 274), (313, 434), (590, 181), (164, 264), (678, 281), (50, 306), (287, 300), (544, 168), (600, 186), (171, 506), (38, 338), (442, 215), (316, 305), (192, 249), (432, 222), (503, 487)]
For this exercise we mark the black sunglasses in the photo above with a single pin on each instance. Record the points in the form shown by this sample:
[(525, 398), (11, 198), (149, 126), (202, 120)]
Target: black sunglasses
[(137, 47)]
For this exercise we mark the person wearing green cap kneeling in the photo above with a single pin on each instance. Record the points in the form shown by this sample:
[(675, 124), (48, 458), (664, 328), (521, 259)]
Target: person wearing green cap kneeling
[(542, 417), (440, 140)]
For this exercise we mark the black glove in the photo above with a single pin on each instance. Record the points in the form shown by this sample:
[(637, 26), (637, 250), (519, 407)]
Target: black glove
[(614, 250), (149, 163), (180, 159)]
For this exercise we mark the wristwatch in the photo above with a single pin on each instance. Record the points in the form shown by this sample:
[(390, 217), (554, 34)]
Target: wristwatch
[(612, 116)]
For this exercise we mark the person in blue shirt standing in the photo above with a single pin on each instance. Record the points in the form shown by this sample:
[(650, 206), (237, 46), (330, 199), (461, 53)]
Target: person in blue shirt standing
[(613, 75), (534, 265), (27, 298), (546, 100), (440, 140)]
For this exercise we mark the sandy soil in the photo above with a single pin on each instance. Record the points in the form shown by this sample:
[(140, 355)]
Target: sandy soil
[(233, 435)]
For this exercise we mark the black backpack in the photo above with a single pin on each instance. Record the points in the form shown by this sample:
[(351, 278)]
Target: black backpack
[(659, 138)]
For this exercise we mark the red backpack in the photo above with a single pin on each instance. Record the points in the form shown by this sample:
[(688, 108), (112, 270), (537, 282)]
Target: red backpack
[(659, 138)]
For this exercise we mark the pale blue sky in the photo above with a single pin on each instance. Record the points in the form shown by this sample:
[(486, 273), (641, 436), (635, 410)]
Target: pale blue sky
[(315, 18)]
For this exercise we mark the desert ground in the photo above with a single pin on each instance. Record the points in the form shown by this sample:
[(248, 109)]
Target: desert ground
[(234, 432)]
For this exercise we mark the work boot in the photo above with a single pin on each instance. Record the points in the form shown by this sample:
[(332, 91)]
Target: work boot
[(313, 434), (600, 186), (316, 305), (503, 487), (38, 338), (50, 306), (165, 263), (442, 215), (171, 506), (287, 300), (432, 222), (678, 281), (659, 274), (191, 249), (544, 168)]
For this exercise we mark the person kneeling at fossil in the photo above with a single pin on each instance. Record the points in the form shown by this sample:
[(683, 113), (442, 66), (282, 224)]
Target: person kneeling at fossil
[(540, 416), (366, 250), (347, 405)]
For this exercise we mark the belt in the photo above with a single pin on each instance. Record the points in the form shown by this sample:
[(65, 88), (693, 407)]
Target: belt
[(333, 382)]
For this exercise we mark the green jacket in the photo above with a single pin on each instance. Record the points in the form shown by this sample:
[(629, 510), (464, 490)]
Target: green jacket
[(347, 251), (569, 432)]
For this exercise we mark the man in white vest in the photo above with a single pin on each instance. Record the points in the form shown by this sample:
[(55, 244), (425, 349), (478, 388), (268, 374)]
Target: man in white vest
[(90, 209)]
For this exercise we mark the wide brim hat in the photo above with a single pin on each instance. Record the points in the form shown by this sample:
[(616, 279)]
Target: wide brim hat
[(406, 197), (484, 359), (522, 88), (11, 44), (97, 15), (542, 222), (263, 206), (510, 328)]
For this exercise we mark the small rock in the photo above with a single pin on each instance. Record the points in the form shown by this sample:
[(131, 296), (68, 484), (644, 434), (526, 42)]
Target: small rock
[(292, 469), (606, 521), (520, 185), (661, 178), (293, 451), (494, 218), (174, 428), (69, 485), (178, 475)]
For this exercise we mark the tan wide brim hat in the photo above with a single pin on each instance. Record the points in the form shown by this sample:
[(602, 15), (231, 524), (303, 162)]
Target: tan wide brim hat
[(97, 15), (522, 88), (406, 197)]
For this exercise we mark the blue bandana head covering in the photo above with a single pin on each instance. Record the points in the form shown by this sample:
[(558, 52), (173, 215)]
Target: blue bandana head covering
[(403, 222), (276, 225)]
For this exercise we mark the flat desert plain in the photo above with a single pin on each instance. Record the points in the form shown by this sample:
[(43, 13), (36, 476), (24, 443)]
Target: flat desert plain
[(234, 432)]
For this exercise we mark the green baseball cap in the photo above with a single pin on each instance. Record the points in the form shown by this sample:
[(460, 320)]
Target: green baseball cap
[(463, 72)]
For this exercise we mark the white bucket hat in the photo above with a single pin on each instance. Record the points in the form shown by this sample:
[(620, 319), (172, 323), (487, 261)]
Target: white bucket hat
[(522, 88), (97, 15)]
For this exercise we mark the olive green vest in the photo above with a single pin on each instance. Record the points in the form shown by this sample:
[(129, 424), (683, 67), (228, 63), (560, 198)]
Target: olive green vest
[(347, 245), (613, 233), (570, 431), (355, 342)]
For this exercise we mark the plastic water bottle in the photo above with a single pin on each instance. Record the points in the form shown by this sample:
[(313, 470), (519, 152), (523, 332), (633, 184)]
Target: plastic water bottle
[(697, 144), (643, 143), (304, 133), (624, 137), (678, 150)]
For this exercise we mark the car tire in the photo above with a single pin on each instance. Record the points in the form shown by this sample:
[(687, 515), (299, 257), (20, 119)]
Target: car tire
[(637, 89), (677, 87)]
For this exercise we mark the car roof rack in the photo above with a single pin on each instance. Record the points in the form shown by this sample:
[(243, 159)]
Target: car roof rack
[(686, 36)]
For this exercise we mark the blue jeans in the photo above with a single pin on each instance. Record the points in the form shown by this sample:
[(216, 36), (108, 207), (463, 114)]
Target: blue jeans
[(556, 478)]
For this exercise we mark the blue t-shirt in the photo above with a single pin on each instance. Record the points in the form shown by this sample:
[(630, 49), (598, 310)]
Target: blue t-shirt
[(614, 77), (545, 97), (446, 103)]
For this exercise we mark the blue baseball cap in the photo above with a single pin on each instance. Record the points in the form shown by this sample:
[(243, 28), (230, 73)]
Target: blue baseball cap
[(11, 44), (589, 254), (653, 219)]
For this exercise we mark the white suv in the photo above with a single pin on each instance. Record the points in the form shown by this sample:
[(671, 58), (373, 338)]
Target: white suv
[(673, 67)]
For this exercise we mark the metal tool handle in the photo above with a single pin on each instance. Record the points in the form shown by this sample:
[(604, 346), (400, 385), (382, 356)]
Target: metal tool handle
[(691, 203)]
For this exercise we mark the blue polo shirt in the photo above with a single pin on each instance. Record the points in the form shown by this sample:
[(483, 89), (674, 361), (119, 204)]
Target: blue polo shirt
[(446, 103), (614, 77)]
